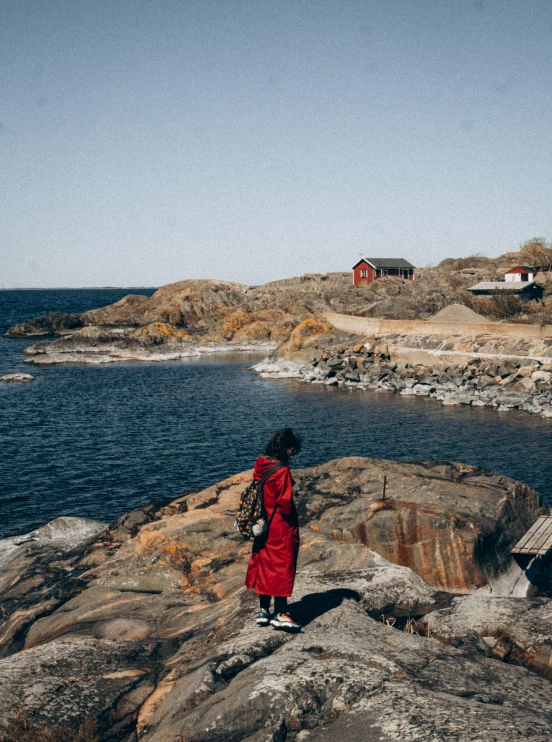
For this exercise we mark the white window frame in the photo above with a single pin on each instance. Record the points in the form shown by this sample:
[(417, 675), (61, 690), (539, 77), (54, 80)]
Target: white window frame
[(364, 273), (384, 271)]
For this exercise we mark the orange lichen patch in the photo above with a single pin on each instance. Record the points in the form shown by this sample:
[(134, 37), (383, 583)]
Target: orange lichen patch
[(180, 533), (149, 540), (163, 330), (309, 327), (203, 585), (232, 323), (260, 325), (259, 330), (306, 334)]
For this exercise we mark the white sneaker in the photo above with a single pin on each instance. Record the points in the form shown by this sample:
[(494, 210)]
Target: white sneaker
[(285, 623), (262, 618)]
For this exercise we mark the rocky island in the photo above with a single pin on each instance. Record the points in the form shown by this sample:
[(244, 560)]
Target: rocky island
[(428, 337), (418, 624)]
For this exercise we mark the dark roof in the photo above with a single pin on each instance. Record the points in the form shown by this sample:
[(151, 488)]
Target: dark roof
[(385, 263)]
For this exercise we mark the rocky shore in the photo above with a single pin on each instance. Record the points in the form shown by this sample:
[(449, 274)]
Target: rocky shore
[(97, 346), (412, 631), (478, 375), (194, 316), (17, 378)]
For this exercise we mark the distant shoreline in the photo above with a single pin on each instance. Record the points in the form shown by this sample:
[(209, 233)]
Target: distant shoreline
[(85, 288)]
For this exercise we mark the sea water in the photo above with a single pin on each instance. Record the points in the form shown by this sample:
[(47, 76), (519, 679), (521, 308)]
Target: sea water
[(98, 441)]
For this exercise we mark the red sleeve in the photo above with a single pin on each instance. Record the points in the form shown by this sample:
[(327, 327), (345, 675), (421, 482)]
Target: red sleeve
[(285, 492)]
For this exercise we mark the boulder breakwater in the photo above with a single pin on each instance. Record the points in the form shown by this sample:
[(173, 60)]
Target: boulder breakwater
[(486, 370)]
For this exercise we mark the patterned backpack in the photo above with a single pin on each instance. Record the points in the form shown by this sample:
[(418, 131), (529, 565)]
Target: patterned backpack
[(251, 516)]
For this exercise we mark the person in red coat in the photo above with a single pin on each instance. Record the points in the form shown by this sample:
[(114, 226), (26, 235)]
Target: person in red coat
[(271, 571)]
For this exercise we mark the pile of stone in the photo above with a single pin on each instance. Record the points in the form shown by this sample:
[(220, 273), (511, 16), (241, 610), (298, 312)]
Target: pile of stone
[(506, 384)]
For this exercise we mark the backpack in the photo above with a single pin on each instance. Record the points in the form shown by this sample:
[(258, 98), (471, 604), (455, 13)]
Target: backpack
[(251, 516)]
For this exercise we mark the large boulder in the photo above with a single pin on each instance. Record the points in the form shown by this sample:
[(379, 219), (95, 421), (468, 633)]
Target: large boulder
[(452, 524)]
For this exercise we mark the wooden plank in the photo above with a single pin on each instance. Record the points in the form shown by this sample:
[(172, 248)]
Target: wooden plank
[(546, 546), (538, 527), (543, 536), (538, 539), (539, 524), (542, 526)]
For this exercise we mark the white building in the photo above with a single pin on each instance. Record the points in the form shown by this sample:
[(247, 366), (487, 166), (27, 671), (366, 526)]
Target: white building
[(520, 273)]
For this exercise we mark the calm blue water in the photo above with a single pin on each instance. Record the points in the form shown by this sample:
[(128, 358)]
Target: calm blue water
[(98, 441)]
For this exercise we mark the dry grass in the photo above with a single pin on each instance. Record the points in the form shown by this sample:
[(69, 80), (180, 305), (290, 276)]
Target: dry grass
[(177, 556), (23, 729), (506, 305), (537, 252), (408, 624), (471, 261), (500, 305)]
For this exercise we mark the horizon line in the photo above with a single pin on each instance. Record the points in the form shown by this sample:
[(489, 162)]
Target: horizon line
[(70, 288)]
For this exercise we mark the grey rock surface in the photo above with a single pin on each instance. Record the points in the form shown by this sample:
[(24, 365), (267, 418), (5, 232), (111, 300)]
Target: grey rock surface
[(146, 627), (516, 630)]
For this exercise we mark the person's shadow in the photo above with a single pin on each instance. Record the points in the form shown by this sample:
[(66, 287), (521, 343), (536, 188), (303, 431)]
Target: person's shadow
[(313, 605)]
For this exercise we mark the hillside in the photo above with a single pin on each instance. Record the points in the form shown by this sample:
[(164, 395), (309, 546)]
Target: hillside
[(184, 316)]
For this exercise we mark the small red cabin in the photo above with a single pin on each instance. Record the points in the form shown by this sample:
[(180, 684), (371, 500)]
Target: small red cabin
[(368, 269)]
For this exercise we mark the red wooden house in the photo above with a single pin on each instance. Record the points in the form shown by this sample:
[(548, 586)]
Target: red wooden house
[(368, 269)]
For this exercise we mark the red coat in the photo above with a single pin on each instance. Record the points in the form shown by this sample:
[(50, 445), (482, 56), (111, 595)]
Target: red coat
[(272, 565)]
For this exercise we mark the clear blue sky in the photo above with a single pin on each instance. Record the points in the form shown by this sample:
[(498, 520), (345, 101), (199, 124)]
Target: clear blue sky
[(146, 142)]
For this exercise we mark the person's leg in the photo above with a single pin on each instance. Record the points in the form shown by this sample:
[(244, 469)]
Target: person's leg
[(263, 616), (280, 605)]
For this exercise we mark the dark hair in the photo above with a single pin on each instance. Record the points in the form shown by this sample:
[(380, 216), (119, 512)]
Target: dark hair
[(278, 446)]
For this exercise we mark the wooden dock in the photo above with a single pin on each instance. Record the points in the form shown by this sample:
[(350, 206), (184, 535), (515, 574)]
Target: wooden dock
[(538, 539)]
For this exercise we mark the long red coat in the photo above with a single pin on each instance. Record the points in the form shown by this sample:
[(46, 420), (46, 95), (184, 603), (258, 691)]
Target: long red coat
[(272, 565)]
